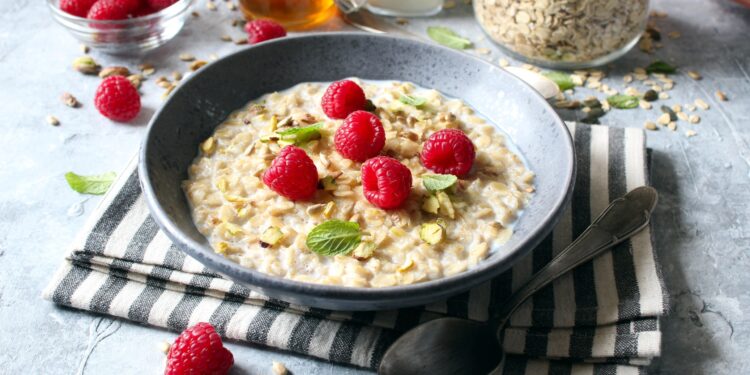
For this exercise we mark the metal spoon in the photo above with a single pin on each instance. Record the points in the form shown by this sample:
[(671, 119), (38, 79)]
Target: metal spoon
[(459, 346)]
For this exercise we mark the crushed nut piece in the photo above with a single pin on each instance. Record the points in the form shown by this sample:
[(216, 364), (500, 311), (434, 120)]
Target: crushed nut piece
[(278, 368), (664, 119), (114, 71), (197, 64), (694, 119), (694, 75), (52, 120), (650, 125), (70, 100), (86, 65), (702, 104), (672, 126)]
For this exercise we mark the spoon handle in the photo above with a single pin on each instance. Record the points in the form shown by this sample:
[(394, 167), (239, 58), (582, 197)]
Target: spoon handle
[(624, 217)]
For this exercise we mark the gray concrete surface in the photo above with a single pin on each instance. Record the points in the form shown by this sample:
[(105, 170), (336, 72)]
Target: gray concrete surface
[(701, 226)]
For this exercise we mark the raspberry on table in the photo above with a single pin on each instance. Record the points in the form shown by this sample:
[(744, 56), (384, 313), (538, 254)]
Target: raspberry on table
[(262, 30), (448, 151), (157, 5), (360, 137), (292, 174), (76, 7), (117, 99), (342, 98), (386, 182), (198, 350)]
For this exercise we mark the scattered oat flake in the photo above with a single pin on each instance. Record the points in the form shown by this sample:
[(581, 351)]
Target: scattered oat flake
[(213, 56), (197, 64), (650, 125), (52, 120), (164, 347), (483, 51), (664, 119), (682, 116), (694, 119), (690, 107), (644, 104), (721, 95), (694, 75), (166, 93), (663, 95), (690, 133), (278, 368), (240, 41), (672, 126), (677, 108), (226, 38), (702, 104), (70, 100), (503, 62), (176, 76), (186, 57)]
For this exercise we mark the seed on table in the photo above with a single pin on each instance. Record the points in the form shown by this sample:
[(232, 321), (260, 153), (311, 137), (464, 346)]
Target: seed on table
[(690, 107), (627, 78), (197, 64), (186, 57), (176, 75), (668, 86), (483, 51), (677, 108), (694, 75), (663, 95), (639, 71), (650, 125), (213, 56), (52, 120), (85, 49), (690, 133), (70, 100), (210, 5), (664, 119), (240, 41), (633, 92), (694, 119), (674, 35), (721, 95), (702, 104), (672, 126), (656, 88), (226, 38), (644, 104), (503, 63), (682, 116), (195, 14)]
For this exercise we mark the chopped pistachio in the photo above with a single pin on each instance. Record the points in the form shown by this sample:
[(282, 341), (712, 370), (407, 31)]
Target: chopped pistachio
[(446, 206), (328, 210), (432, 233), (431, 204), (328, 183), (86, 65), (364, 251), (271, 236), (208, 146)]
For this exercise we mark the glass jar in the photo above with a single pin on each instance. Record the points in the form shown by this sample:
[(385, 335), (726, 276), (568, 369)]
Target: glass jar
[(564, 34)]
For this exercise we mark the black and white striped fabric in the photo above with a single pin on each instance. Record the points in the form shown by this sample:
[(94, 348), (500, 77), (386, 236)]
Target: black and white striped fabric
[(600, 318)]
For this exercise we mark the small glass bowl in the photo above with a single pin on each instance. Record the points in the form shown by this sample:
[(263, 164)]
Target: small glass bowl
[(129, 36)]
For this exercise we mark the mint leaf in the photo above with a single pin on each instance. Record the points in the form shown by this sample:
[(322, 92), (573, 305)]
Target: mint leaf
[(563, 81), (301, 135), (334, 237), (659, 66), (437, 182), (620, 101), (96, 184), (447, 37), (412, 100)]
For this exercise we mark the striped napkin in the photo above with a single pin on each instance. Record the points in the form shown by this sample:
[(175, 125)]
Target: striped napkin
[(600, 318)]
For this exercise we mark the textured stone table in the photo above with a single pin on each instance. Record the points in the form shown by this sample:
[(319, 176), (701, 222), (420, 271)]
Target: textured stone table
[(702, 227)]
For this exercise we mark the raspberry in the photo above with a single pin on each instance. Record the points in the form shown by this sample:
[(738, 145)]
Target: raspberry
[(360, 137), (76, 7), (386, 182), (342, 98), (292, 174), (198, 350), (448, 151), (158, 5), (112, 9), (262, 30), (117, 99), (145, 10)]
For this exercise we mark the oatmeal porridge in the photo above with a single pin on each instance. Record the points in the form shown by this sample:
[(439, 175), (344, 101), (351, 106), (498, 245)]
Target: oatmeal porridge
[(339, 234)]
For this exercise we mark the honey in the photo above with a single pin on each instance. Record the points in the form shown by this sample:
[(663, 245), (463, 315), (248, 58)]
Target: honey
[(292, 14)]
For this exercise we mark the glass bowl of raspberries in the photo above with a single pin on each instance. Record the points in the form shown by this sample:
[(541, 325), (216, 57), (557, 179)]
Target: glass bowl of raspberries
[(122, 26)]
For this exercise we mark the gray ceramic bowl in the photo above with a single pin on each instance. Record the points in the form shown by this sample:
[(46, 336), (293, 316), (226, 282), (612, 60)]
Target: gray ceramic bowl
[(207, 98)]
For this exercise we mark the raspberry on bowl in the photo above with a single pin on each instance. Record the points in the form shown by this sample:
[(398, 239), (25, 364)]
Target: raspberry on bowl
[(262, 30), (360, 137), (198, 350), (292, 174), (157, 5), (342, 98), (448, 151), (111, 10), (117, 99), (386, 182)]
